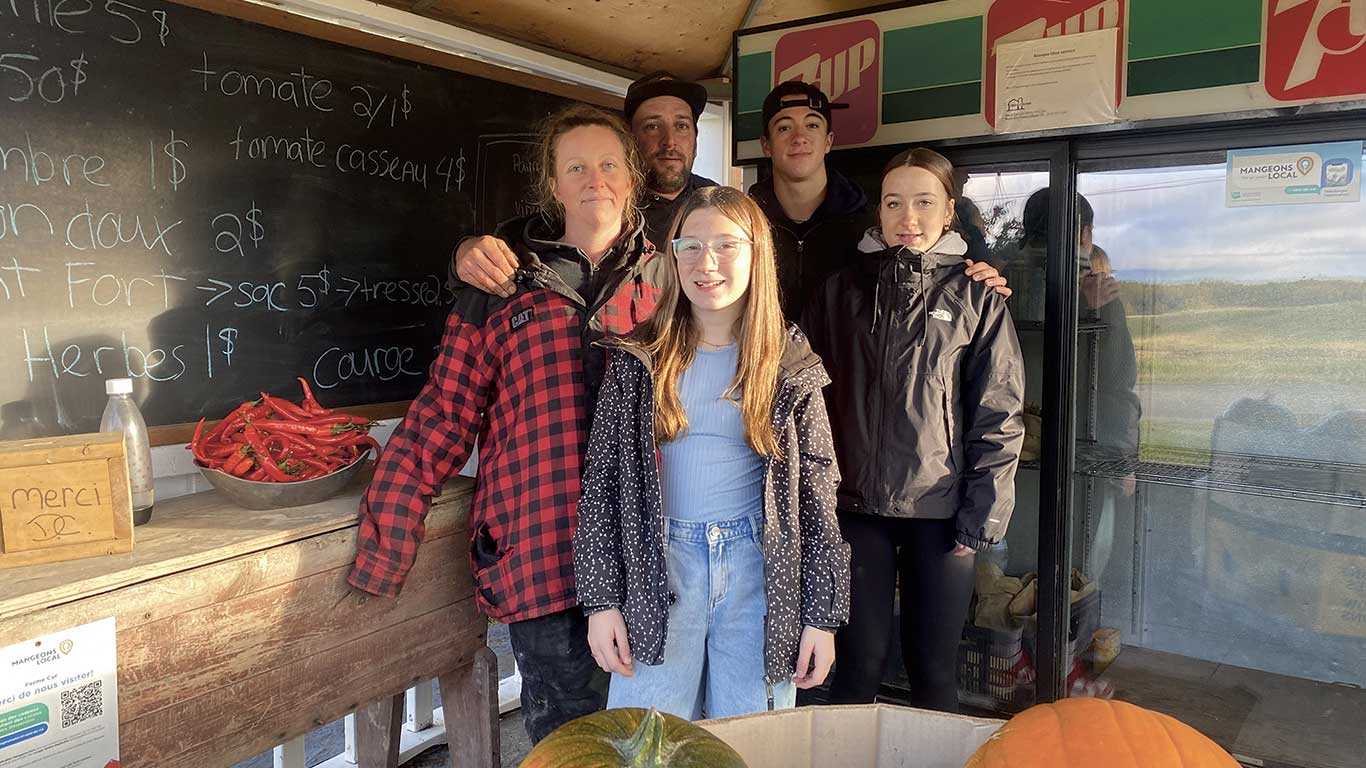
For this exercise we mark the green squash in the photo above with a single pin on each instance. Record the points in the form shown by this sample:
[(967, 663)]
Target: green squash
[(631, 738)]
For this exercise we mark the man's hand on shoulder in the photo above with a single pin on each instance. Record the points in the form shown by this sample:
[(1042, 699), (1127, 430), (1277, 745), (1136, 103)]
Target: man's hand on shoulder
[(980, 271), (487, 263)]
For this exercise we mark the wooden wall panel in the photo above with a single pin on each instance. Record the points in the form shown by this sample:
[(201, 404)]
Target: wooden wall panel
[(169, 661), (686, 37), (779, 11), (228, 724), (690, 39)]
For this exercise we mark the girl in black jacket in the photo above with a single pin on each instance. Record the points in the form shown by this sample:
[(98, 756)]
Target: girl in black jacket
[(926, 407)]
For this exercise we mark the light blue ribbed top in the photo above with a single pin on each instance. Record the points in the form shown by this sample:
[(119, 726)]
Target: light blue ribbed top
[(710, 473)]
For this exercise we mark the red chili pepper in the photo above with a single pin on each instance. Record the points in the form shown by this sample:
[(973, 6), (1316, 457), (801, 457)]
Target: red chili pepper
[(234, 419), (369, 442), (286, 409), (315, 464), (342, 418), (238, 467), (305, 428), (195, 447), (221, 451), (310, 403), (257, 474), (294, 442), (306, 447), (277, 445), (222, 426), (254, 439), (340, 439)]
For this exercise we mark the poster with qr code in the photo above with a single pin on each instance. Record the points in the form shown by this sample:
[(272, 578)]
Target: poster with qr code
[(59, 701)]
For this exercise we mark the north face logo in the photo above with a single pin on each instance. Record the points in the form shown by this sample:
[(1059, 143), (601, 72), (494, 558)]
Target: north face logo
[(942, 314)]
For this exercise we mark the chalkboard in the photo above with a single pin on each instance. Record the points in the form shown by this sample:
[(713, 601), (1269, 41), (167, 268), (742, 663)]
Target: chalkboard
[(213, 207)]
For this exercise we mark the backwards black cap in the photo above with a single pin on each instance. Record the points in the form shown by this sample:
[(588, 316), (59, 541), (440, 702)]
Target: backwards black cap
[(795, 93)]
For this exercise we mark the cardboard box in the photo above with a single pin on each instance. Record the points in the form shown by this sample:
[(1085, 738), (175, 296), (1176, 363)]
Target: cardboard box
[(871, 736), (62, 498)]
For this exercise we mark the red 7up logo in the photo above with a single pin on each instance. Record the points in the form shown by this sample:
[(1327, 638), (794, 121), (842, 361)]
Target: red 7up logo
[(843, 61)]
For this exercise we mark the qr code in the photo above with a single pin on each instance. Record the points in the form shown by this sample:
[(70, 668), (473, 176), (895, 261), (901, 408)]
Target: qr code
[(81, 704)]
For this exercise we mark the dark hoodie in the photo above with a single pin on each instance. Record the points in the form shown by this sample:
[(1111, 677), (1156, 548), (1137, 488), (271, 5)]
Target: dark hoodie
[(619, 557), (812, 250)]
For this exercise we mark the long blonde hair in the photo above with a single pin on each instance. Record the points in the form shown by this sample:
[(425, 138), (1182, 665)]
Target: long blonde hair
[(670, 335), (578, 116)]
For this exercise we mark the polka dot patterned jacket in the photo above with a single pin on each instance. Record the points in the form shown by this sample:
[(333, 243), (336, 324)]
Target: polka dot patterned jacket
[(619, 559)]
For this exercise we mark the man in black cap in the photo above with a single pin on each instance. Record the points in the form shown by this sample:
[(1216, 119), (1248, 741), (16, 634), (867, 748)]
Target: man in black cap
[(662, 112), (818, 214)]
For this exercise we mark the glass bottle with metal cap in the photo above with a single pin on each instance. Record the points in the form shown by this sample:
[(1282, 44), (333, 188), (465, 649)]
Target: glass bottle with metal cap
[(122, 415)]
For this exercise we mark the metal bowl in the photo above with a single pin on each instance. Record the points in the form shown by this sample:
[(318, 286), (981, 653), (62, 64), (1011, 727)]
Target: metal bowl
[(259, 495)]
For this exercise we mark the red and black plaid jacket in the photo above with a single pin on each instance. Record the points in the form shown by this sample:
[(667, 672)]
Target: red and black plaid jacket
[(512, 373)]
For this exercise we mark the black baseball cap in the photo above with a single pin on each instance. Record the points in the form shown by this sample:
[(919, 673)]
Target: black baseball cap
[(664, 84), (795, 93)]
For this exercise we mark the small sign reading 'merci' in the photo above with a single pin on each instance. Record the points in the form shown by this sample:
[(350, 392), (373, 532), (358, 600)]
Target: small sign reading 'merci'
[(63, 498)]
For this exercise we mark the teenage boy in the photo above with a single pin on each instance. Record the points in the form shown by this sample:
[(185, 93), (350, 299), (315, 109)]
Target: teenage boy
[(818, 214)]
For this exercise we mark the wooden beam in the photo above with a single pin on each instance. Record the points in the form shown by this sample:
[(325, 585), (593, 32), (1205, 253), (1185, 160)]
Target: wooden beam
[(280, 19), (377, 733), (469, 700)]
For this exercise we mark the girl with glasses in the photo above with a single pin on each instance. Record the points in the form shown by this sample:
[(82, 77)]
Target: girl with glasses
[(707, 555)]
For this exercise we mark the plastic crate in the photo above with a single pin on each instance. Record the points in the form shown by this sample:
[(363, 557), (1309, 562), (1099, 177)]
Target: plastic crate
[(994, 670)]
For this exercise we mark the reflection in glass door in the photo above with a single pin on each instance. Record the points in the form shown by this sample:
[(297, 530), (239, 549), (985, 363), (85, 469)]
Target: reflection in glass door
[(1219, 525), (996, 659)]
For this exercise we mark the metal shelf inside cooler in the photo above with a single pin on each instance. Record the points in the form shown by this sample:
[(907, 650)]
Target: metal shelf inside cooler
[(1083, 326), (1270, 476)]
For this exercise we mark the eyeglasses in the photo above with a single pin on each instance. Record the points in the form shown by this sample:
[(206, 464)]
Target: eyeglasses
[(689, 250)]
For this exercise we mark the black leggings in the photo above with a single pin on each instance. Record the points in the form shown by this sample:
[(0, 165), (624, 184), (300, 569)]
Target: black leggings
[(936, 588)]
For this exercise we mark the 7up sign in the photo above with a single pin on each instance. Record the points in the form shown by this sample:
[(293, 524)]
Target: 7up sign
[(1315, 49), (842, 60)]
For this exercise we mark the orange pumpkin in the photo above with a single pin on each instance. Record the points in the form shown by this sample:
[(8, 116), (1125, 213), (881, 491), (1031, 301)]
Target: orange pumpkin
[(1095, 733)]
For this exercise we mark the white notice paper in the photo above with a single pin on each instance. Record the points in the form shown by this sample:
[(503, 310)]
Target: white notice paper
[(1056, 82), (59, 702)]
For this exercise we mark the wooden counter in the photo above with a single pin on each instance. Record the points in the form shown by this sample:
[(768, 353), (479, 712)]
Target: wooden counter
[(237, 631)]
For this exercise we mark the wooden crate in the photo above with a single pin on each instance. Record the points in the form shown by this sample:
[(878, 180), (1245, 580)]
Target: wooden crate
[(63, 498)]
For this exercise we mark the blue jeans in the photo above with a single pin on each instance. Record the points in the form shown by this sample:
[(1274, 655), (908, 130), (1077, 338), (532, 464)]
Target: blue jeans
[(714, 650)]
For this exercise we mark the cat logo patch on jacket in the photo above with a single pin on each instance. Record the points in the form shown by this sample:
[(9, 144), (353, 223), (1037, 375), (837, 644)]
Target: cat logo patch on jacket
[(520, 319)]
